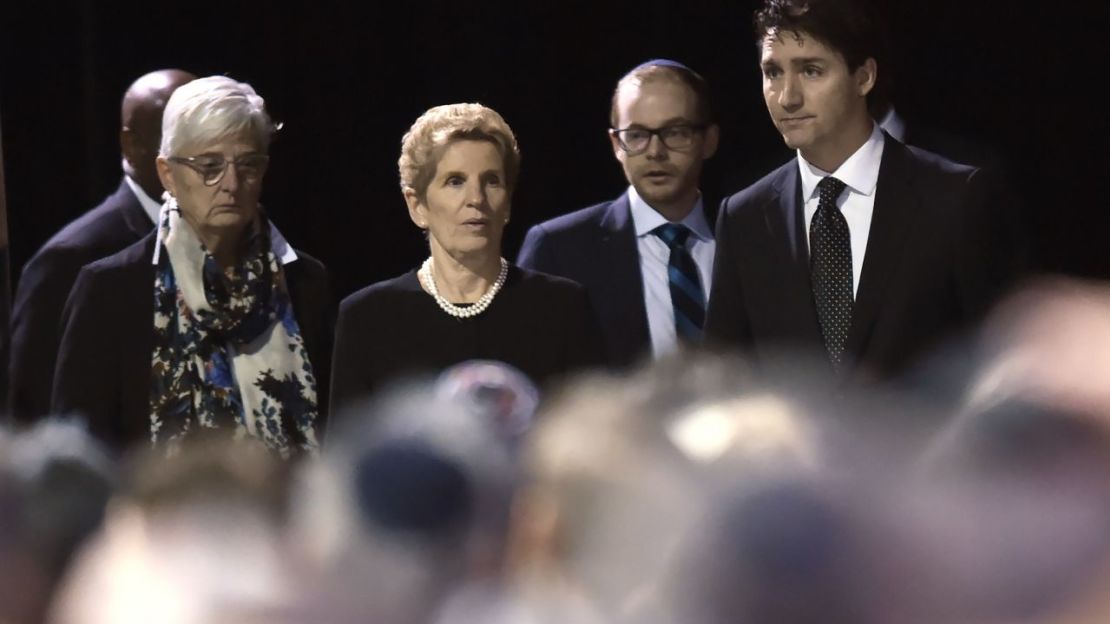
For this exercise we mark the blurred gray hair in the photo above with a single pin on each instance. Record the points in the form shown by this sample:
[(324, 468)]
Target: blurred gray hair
[(208, 109)]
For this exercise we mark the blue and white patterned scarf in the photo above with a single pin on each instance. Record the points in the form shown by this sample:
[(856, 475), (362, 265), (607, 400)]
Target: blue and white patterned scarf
[(228, 353)]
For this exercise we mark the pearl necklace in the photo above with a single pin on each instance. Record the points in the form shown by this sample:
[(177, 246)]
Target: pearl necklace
[(479, 306)]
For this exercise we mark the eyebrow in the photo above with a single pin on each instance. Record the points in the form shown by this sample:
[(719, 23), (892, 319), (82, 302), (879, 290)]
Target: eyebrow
[(673, 121), (796, 62), (463, 174), (214, 154), (808, 60)]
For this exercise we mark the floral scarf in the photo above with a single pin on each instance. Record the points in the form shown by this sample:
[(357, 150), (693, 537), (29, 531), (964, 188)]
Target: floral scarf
[(228, 353)]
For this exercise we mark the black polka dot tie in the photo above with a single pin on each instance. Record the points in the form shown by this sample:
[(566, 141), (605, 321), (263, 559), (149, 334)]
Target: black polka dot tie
[(831, 269), (687, 295)]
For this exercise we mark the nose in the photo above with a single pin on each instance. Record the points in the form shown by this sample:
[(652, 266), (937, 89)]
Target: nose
[(229, 181), (790, 98), (655, 149), (475, 193)]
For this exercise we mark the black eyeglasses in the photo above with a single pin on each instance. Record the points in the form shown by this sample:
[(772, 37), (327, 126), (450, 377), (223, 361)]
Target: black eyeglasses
[(212, 167), (677, 137)]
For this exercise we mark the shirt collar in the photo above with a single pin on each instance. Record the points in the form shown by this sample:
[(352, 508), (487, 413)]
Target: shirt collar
[(894, 125), (859, 173), (150, 207), (646, 219)]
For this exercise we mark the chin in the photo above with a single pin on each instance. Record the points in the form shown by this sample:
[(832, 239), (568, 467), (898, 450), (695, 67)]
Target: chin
[(238, 220), (659, 196), (229, 223), (796, 141), (475, 246)]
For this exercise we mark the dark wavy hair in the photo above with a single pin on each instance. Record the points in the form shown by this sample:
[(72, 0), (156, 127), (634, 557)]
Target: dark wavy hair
[(853, 28)]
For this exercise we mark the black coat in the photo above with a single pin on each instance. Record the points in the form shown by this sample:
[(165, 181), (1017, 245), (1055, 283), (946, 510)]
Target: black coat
[(104, 361), (936, 260), (47, 278)]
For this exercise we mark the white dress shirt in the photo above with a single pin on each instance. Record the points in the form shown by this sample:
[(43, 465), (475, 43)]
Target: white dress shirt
[(150, 206), (654, 258), (860, 174)]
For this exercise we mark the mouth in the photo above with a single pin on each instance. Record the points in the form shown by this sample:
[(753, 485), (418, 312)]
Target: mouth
[(658, 175), (476, 223), (793, 121)]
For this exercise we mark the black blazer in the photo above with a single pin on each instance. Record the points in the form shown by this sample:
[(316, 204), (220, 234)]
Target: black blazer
[(596, 247), (103, 371), (47, 277), (936, 260)]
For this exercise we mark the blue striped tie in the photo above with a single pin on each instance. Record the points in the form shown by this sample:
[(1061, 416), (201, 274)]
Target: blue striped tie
[(687, 296)]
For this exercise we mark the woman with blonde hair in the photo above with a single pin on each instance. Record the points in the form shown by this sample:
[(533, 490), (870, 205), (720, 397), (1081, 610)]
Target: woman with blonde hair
[(458, 169)]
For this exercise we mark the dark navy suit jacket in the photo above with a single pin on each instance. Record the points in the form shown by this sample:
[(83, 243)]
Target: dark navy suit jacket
[(596, 247), (937, 258), (47, 277)]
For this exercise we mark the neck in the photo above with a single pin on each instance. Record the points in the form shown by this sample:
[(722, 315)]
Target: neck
[(463, 278), (225, 245), (829, 158), (679, 209), (226, 254)]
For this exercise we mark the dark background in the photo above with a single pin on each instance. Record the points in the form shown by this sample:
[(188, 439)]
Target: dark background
[(349, 79)]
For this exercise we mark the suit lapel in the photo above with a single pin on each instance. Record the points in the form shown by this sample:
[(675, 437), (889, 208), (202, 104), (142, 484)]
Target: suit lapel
[(785, 222), (132, 212), (621, 257), (894, 212)]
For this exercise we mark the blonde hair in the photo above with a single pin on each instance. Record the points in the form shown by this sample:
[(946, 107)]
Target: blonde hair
[(432, 132), (207, 109)]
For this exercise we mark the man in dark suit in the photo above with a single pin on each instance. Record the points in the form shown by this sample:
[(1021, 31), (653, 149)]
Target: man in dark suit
[(863, 251), (121, 219), (646, 257)]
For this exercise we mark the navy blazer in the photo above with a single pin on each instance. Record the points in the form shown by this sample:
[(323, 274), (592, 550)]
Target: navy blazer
[(45, 283), (104, 361), (936, 260), (596, 247)]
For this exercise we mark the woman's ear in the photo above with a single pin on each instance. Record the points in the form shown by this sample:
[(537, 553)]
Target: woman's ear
[(165, 174), (418, 212)]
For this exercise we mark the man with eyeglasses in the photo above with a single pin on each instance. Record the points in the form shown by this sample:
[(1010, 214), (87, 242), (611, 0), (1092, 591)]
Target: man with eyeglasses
[(121, 219), (646, 257)]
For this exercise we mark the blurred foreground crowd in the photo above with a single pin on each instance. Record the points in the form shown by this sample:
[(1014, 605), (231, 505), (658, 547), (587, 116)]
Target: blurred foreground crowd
[(688, 491)]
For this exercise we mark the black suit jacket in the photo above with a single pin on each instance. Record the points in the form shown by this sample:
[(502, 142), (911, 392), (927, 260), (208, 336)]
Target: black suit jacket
[(103, 371), (596, 247), (935, 262), (45, 283)]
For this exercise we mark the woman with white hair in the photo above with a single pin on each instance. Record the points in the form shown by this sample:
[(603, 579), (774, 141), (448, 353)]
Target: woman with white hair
[(212, 321)]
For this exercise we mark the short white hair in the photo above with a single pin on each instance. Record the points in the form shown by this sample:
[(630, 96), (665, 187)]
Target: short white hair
[(208, 109)]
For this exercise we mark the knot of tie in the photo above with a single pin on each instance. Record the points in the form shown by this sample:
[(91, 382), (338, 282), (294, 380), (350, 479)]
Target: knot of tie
[(829, 189), (673, 234)]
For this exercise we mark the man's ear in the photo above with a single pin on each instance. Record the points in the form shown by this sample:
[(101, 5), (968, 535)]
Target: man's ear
[(128, 145), (866, 75), (712, 141), (617, 151)]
